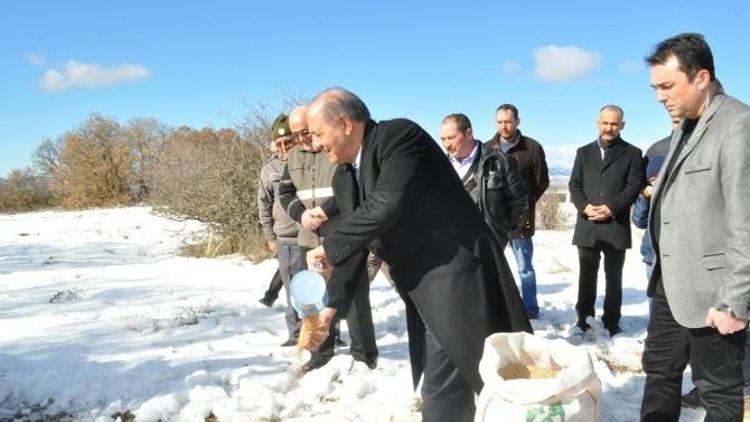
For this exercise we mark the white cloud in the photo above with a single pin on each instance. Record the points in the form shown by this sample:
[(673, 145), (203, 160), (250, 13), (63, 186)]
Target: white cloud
[(632, 66), (511, 68), (36, 59), (91, 75), (563, 64)]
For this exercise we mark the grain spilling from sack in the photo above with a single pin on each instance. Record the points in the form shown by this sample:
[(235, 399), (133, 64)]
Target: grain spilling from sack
[(310, 325), (513, 372)]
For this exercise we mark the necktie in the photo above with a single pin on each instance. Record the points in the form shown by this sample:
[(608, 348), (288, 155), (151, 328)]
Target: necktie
[(353, 179)]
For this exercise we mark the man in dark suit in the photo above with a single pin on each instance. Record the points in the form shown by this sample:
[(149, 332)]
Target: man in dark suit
[(400, 198), (305, 192), (607, 176)]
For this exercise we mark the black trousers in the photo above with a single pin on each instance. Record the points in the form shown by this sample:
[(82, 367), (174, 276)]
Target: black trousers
[(274, 287), (588, 259), (446, 395), (716, 363), (359, 321)]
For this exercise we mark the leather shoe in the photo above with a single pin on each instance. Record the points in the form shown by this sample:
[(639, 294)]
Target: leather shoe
[(583, 325), (289, 343), (315, 362), (370, 363), (614, 330), (267, 301)]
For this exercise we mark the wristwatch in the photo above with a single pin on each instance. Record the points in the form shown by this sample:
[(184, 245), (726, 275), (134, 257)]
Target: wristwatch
[(727, 310)]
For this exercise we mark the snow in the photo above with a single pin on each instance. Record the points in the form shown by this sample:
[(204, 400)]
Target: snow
[(99, 316)]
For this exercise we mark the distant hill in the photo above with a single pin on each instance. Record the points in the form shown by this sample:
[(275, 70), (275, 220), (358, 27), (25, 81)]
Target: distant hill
[(559, 171)]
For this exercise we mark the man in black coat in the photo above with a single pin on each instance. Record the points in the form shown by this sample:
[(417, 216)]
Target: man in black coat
[(489, 176), (401, 199), (607, 176)]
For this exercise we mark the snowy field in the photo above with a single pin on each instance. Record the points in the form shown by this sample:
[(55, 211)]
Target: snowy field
[(100, 319)]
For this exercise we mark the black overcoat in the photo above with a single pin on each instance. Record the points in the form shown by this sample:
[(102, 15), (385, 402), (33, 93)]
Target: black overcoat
[(614, 182), (410, 209)]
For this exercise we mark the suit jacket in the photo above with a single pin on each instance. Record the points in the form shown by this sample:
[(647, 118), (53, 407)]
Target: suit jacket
[(413, 211), (615, 182), (703, 248)]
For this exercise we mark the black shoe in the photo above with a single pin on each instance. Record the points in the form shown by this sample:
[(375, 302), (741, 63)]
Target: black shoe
[(340, 343), (289, 343), (315, 362), (370, 363), (692, 399), (583, 325), (267, 301), (614, 330)]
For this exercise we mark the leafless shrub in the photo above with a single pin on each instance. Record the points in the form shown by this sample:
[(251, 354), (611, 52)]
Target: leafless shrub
[(67, 295), (192, 314), (141, 323), (549, 216), (212, 176), (23, 190)]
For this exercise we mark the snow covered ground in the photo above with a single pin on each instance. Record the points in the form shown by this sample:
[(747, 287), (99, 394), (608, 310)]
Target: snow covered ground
[(99, 317)]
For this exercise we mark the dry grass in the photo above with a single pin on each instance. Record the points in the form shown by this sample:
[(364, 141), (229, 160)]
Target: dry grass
[(252, 246)]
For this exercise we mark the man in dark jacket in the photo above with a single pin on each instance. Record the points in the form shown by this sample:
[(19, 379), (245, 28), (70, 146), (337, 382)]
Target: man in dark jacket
[(490, 178), (532, 167), (401, 199), (652, 162), (306, 194), (606, 178)]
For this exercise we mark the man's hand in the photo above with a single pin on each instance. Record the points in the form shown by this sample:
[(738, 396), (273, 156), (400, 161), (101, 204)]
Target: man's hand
[(598, 212), (724, 322), (317, 261), (313, 218), (604, 212), (313, 335), (647, 191), (273, 246), (589, 211)]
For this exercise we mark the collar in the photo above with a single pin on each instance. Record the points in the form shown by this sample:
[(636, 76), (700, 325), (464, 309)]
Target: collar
[(505, 146), (612, 143), (355, 164)]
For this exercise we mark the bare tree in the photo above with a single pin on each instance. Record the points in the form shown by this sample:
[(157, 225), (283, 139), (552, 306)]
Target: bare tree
[(46, 157), (145, 138)]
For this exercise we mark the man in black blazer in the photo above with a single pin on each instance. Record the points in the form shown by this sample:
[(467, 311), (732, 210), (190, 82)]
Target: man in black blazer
[(607, 176), (401, 199)]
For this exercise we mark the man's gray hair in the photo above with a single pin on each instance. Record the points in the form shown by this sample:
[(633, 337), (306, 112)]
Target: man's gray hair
[(615, 108), (336, 102)]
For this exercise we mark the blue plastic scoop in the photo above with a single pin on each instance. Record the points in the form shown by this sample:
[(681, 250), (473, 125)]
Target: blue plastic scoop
[(308, 293)]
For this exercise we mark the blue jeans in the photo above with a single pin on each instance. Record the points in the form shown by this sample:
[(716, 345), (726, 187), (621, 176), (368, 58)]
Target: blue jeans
[(523, 250)]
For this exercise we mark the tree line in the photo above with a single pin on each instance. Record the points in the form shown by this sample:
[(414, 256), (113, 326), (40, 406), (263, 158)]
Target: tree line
[(207, 174)]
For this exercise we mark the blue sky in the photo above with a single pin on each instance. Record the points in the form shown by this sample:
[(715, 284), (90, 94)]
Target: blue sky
[(202, 63)]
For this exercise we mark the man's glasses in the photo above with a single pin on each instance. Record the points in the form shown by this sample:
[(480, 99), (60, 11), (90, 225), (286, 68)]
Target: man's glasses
[(301, 134)]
